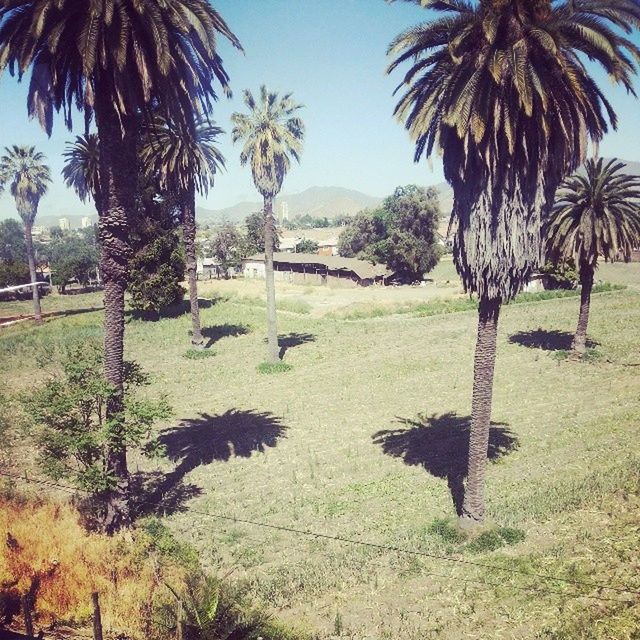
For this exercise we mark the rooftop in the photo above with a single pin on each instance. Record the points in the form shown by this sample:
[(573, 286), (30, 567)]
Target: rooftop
[(361, 268)]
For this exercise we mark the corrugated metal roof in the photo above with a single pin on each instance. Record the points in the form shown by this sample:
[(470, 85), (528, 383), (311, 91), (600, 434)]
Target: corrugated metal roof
[(361, 268)]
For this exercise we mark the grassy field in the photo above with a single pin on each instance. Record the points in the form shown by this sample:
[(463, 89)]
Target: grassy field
[(364, 438)]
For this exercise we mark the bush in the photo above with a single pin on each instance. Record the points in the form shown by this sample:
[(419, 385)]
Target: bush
[(140, 576), (273, 367), (199, 354), (68, 418)]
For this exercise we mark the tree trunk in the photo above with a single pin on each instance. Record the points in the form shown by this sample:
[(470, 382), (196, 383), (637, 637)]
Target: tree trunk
[(273, 350), (483, 368), (118, 178), (189, 238), (37, 311), (579, 344)]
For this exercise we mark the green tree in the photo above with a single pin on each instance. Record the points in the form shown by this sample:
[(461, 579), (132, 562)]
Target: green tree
[(81, 171), (13, 247), (255, 225), (71, 429), (28, 177), (183, 158), (307, 246), (364, 232), (596, 215), (116, 61), (72, 257), (157, 265), (500, 87), (271, 134), (228, 247)]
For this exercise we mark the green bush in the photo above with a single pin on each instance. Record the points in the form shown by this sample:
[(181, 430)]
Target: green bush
[(199, 354), (273, 367)]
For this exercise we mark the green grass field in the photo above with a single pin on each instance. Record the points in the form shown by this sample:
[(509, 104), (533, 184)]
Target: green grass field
[(364, 438)]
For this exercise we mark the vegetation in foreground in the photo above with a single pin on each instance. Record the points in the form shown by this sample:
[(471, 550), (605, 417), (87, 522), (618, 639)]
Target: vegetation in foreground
[(344, 447)]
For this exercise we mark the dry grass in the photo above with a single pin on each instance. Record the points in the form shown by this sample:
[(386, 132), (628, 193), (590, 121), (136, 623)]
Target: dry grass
[(577, 426)]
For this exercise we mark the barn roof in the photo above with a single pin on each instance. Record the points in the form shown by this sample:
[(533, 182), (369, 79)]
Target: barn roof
[(361, 268)]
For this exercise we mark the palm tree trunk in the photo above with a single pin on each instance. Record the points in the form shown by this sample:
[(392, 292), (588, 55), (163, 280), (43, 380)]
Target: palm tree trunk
[(37, 311), (579, 344), (483, 368), (118, 177), (189, 238), (273, 351)]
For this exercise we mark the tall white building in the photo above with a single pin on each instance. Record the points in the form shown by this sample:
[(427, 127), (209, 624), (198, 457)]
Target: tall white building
[(64, 224), (86, 222), (284, 212)]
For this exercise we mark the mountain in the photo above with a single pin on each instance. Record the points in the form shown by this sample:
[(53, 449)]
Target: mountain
[(318, 202)]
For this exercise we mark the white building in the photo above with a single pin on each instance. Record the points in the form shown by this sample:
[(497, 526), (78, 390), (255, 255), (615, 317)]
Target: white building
[(86, 222), (284, 212), (64, 224)]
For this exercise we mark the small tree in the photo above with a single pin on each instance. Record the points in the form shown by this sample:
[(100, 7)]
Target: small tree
[(254, 224), (228, 246), (157, 266), (307, 246), (70, 425), (73, 258)]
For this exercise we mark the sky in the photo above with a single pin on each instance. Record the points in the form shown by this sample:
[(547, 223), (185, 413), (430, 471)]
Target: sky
[(331, 54)]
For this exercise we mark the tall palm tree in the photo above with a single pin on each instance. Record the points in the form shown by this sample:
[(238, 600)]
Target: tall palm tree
[(24, 169), (596, 215), (116, 61), (182, 158), (500, 87), (271, 134), (81, 171)]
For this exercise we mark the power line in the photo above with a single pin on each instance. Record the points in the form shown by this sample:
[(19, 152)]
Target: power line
[(396, 549)]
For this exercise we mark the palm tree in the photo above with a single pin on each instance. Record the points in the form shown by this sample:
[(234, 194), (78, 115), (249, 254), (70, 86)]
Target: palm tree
[(501, 89), (271, 134), (182, 158), (596, 215), (116, 61), (81, 171), (24, 169)]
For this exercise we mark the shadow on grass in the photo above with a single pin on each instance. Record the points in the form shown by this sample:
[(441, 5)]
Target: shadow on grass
[(215, 333), (291, 340), (440, 444), (201, 441), (546, 339), (173, 311)]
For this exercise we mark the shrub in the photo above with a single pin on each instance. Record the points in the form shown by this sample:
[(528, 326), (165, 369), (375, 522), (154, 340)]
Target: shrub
[(140, 576), (273, 367), (199, 354), (68, 417)]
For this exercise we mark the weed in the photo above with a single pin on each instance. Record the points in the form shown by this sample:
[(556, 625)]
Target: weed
[(199, 354), (273, 367)]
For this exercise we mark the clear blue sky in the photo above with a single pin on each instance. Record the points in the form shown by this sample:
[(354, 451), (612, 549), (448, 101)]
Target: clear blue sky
[(331, 55)]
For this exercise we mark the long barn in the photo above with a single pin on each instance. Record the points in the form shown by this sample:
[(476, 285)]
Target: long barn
[(309, 268)]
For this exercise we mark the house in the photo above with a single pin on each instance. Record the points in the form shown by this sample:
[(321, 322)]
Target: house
[(309, 268), (328, 247)]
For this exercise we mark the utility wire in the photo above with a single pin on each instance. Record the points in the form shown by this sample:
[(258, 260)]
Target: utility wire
[(373, 545)]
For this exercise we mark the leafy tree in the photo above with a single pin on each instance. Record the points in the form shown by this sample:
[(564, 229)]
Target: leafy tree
[(72, 257), (597, 215), (13, 247), (157, 266), (228, 247), (116, 61), (402, 233), (183, 159), (307, 246), (255, 226), (560, 274), (501, 89), (24, 170), (73, 433), (271, 134)]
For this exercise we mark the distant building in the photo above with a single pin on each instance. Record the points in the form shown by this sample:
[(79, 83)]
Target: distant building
[(309, 268), (64, 224), (86, 222), (284, 212), (38, 232), (328, 247)]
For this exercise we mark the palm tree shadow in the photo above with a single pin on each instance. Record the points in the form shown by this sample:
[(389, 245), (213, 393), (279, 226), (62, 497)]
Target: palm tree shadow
[(440, 444), (546, 339), (201, 441), (291, 340), (215, 333)]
